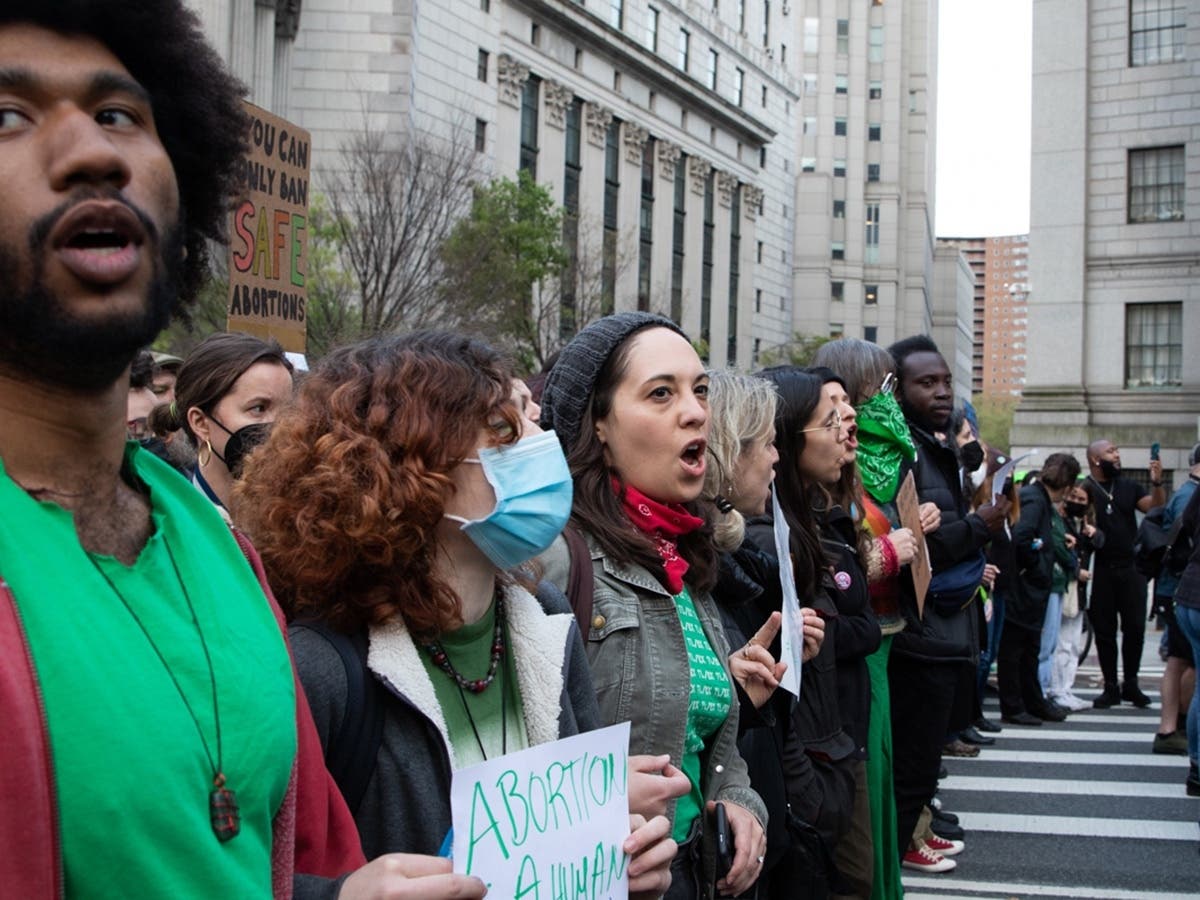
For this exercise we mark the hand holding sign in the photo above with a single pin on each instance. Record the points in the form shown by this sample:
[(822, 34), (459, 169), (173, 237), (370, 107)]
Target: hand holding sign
[(406, 876), (791, 635)]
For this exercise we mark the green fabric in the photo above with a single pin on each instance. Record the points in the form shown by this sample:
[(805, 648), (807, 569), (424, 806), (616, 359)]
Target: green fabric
[(708, 705), (884, 442), (879, 779), (470, 651), (131, 773)]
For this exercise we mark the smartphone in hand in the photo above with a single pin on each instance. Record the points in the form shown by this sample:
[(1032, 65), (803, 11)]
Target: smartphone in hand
[(724, 842), (1154, 451)]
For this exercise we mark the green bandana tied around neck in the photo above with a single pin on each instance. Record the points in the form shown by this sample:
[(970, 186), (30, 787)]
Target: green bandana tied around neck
[(883, 442)]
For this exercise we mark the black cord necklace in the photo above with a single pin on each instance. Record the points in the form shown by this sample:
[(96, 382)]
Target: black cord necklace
[(503, 720), (1108, 509), (475, 685), (222, 802)]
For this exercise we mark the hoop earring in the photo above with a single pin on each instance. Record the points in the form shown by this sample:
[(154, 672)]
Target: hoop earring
[(723, 504), (201, 458)]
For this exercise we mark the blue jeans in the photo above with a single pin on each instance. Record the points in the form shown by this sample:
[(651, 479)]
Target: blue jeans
[(1050, 626), (989, 654), (1188, 620)]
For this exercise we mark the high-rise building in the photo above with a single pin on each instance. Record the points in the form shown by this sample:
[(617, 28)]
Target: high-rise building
[(1114, 244)]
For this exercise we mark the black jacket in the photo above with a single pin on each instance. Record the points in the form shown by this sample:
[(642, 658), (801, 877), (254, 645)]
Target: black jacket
[(1035, 565)]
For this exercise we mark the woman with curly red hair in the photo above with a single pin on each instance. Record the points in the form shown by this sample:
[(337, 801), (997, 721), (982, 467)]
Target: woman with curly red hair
[(387, 506)]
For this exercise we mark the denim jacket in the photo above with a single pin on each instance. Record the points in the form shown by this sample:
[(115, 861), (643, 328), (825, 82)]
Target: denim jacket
[(639, 663)]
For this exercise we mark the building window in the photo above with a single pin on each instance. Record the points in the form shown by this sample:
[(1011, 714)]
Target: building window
[(677, 228), (685, 42), (871, 333), (568, 316), (808, 164), (836, 330), (481, 65), (871, 234), (735, 253), (616, 13), (875, 44), (1156, 31), (810, 125), (652, 30), (872, 171), (762, 157), (646, 226), (837, 250), (841, 84), (741, 16), (1153, 345), (612, 187), (843, 37), (875, 90), (873, 131), (739, 86), (810, 84), (706, 261), (766, 32), (1156, 180), (839, 126), (757, 349), (485, 5), (839, 168), (812, 35), (870, 294), (480, 135), (714, 60), (758, 300), (839, 209), (758, 253), (764, 96), (837, 290), (529, 126), (535, 34), (782, 53)]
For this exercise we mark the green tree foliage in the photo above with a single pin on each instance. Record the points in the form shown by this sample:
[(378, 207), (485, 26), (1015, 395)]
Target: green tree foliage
[(498, 259), (995, 413), (801, 350)]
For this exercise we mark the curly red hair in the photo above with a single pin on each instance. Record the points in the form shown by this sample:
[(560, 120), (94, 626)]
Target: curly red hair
[(344, 499)]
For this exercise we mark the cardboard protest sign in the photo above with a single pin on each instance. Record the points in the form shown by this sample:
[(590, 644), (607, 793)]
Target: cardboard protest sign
[(791, 633), (548, 821), (268, 246), (910, 517)]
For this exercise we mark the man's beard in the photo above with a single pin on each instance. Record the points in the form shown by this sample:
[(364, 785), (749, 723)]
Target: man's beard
[(40, 338), (922, 422), (1110, 469)]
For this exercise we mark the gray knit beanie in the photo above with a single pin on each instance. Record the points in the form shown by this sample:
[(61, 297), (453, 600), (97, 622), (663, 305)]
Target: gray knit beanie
[(569, 386)]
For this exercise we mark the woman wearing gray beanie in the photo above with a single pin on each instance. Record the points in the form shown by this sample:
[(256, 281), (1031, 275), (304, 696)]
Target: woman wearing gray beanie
[(628, 399)]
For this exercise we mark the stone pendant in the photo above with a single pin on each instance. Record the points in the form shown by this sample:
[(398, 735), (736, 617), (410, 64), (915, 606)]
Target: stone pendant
[(223, 812)]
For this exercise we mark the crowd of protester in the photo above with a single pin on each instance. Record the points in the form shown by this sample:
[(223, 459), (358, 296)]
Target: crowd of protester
[(253, 620)]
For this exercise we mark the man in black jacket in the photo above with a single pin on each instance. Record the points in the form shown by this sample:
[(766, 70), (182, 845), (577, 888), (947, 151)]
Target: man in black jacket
[(933, 659), (1118, 589), (1021, 698)]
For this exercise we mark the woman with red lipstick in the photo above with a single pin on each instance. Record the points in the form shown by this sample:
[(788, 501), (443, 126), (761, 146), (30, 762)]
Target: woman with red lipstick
[(628, 399)]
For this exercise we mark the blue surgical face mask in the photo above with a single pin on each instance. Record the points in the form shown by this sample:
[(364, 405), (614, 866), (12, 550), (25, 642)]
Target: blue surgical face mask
[(533, 499)]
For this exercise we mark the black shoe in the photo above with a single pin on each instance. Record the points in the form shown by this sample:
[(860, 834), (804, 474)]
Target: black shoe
[(1051, 713), (1021, 718), (987, 726), (1134, 695), (1193, 781), (942, 773), (1110, 697), (947, 830), (971, 736), (940, 815)]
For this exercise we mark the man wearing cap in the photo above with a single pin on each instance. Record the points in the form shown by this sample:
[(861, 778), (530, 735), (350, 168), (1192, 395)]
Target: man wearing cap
[(166, 370)]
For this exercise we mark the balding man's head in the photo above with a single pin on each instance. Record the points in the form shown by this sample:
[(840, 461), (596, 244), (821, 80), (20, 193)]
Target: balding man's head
[(1104, 459)]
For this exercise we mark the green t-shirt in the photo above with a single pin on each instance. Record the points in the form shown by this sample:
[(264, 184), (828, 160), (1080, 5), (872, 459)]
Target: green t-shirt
[(470, 652), (132, 778), (708, 706)]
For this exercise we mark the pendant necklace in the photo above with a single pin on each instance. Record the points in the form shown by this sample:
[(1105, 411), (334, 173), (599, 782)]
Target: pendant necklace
[(222, 802), (1108, 508)]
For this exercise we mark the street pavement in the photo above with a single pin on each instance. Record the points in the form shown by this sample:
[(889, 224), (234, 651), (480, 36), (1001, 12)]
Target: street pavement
[(1079, 809)]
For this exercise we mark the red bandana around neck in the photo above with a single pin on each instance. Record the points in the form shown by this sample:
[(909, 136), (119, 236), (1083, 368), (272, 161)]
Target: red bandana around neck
[(664, 523)]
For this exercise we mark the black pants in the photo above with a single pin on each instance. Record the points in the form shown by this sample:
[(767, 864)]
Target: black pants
[(1118, 591), (1016, 670), (922, 696)]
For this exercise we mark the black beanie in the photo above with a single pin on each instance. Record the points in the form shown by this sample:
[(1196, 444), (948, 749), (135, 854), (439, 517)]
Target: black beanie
[(571, 381)]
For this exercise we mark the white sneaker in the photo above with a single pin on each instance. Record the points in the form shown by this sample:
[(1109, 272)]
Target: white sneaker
[(1071, 702)]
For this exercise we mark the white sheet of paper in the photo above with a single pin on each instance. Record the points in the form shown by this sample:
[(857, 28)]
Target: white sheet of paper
[(791, 633), (1005, 472), (536, 822)]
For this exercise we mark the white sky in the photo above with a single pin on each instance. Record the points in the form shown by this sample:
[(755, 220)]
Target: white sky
[(983, 96)]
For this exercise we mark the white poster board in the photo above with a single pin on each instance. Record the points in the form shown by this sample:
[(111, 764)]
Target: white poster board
[(535, 823), (791, 633)]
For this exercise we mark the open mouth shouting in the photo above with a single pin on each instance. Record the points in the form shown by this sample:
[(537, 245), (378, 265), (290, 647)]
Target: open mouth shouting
[(692, 458), (99, 242)]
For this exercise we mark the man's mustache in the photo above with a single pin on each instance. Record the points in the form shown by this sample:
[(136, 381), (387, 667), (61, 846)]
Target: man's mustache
[(39, 232)]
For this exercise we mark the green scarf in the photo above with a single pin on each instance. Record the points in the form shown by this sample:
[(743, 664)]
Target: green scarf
[(883, 442)]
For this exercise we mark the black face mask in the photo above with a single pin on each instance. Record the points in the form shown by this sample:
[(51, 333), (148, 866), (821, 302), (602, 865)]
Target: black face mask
[(972, 455), (1075, 510), (240, 443), (1109, 469)]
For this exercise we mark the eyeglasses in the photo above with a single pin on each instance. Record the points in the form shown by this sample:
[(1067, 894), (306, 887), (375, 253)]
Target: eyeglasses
[(889, 384), (834, 424)]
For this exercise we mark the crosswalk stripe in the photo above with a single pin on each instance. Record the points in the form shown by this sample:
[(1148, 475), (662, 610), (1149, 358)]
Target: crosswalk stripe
[(1087, 717), (1079, 826), (1062, 734), (1061, 786), (993, 754), (1009, 890)]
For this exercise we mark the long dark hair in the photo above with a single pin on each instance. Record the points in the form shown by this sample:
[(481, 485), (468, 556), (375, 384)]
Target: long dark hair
[(597, 507), (799, 395)]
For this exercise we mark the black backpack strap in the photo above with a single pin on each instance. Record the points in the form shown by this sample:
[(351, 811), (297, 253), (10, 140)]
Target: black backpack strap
[(351, 754), (581, 583)]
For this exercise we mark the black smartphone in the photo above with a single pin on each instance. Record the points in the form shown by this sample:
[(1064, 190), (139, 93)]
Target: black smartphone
[(1154, 451), (724, 842)]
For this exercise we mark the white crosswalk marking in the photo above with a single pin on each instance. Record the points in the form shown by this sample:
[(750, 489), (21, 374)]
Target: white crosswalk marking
[(1075, 809)]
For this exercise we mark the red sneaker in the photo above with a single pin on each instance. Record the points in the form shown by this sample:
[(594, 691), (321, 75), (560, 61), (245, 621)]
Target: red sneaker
[(922, 859), (943, 846)]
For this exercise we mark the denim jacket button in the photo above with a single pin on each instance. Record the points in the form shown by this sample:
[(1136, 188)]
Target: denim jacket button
[(719, 769), (598, 622)]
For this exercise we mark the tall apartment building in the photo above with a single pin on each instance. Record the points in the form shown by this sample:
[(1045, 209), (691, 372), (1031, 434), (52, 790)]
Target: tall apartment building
[(1114, 246), (768, 164), (999, 266)]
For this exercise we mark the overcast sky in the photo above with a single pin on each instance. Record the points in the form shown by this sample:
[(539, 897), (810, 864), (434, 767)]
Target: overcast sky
[(983, 95)]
